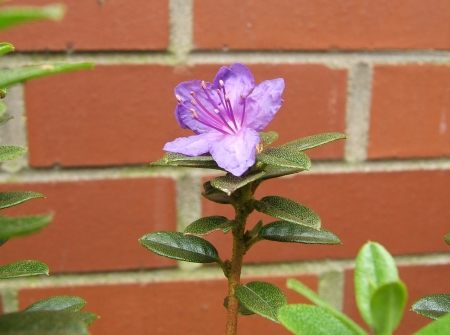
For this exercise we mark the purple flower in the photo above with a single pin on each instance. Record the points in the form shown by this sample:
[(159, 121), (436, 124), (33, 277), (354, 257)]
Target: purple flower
[(226, 116)]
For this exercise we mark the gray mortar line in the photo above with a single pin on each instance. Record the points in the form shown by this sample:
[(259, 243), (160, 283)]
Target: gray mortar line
[(359, 92), (331, 288), (181, 30), (9, 300), (315, 267)]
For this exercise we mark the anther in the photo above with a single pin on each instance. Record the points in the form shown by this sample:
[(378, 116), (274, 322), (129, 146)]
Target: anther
[(178, 98), (193, 102), (203, 85), (222, 84), (242, 97), (194, 114), (216, 111)]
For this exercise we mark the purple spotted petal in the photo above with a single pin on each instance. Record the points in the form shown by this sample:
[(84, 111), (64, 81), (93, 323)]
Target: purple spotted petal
[(236, 153), (263, 103), (193, 145)]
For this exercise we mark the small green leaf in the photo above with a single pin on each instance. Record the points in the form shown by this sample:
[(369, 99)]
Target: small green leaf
[(230, 183), (288, 210), (87, 317), (6, 47), (313, 141), (268, 138), (432, 306), (5, 117), (42, 323), (311, 320), (3, 241), (438, 327), (172, 159), (242, 310), (23, 269), (256, 229), (64, 303), (374, 268), (447, 238), (285, 157), (213, 194), (13, 198), (175, 245), (284, 231), (8, 152), (387, 304), (15, 76), (2, 107), (261, 298), (22, 225), (209, 224), (275, 171), (12, 16)]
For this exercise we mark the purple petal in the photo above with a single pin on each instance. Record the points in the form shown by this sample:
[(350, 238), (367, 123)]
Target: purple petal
[(263, 103), (236, 153), (193, 145)]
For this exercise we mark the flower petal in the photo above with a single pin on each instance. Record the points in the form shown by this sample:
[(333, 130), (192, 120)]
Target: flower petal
[(236, 153), (263, 103), (193, 145)]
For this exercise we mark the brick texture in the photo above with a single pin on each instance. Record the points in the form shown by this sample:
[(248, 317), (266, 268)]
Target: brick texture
[(420, 281), (321, 25), (396, 209), (96, 25), (188, 307), (410, 114), (124, 114), (96, 224)]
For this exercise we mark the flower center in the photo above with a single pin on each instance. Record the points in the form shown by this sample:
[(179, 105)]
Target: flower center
[(218, 115)]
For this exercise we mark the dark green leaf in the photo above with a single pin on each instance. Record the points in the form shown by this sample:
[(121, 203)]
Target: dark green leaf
[(208, 224), (87, 317), (175, 245), (64, 303), (12, 16), (313, 141), (438, 327), (284, 231), (447, 238), (213, 194), (42, 323), (285, 157), (241, 308), (261, 298), (15, 76), (387, 304), (275, 171), (172, 159), (23, 225), (432, 306), (13, 198), (6, 47), (3, 241), (374, 268), (230, 183), (23, 269), (8, 152), (311, 320), (268, 138), (288, 210)]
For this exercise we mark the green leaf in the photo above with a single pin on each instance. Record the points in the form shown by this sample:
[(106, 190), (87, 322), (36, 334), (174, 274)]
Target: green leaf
[(447, 238), (42, 323), (275, 171), (6, 47), (313, 141), (22, 225), (209, 224), (2, 108), (213, 194), (313, 297), (438, 327), (230, 183), (374, 268), (13, 198), (15, 76), (387, 305), (12, 16), (23, 269), (175, 245), (64, 303), (5, 117), (311, 320), (261, 298), (285, 157), (284, 231), (432, 306), (256, 229), (268, 138), (288, 210), (172, 159), (8, 152), (242, 310), (87, 317), (3, 241)]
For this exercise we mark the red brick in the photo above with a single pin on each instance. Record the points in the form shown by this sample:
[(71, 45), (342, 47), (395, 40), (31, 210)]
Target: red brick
[(420, 281), (410, 115), (124, 114), (407, 212), (321, 25), (96, 224), (187, 307), (90, 25)]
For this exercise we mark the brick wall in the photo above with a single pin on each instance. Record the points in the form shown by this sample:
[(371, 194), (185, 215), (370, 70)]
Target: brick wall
[(375, 70)]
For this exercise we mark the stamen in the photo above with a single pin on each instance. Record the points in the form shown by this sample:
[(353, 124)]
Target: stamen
[(243, 110), (194, 114), (227, 100), (178, 98)]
